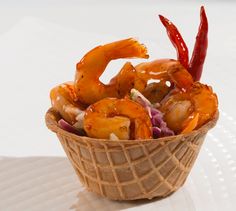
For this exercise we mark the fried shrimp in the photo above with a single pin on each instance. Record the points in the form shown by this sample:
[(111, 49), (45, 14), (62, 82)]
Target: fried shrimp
[(187, 106), (127, 79), (88, 87), (63, 100), (163, 70), (124, 118), (187, 109)]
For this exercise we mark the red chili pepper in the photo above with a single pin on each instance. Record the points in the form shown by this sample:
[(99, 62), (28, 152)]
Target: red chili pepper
[(200, 48), (177, 41)]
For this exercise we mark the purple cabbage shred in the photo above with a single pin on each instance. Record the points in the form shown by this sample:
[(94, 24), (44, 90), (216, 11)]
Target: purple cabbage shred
[(69, 128), (159, 126)]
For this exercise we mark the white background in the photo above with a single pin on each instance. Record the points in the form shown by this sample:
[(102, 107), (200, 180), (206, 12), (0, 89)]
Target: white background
[(40, 44)]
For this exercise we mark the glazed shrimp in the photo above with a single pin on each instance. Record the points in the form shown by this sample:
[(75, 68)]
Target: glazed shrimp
[(122, 117), (63, 100), (88, 87), (127, 79), (187, 109), (163, 70)]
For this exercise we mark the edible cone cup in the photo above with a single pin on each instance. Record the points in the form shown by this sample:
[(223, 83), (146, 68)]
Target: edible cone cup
[(131, 169)]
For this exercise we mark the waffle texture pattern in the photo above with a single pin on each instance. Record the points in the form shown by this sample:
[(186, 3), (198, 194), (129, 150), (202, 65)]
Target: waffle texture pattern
[(131, 169)]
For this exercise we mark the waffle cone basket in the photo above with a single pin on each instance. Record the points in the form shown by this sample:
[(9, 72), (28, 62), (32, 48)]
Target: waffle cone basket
[(130, 169)]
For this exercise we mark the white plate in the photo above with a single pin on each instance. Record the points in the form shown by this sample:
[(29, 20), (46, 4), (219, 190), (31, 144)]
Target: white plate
[(49, 183)]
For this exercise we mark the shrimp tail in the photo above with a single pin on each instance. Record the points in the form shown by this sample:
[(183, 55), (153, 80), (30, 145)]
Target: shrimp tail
[(128, 48)]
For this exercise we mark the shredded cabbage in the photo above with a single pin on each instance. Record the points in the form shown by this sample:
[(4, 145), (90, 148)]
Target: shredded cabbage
[(113, 137), (69, 128), (159, 126)]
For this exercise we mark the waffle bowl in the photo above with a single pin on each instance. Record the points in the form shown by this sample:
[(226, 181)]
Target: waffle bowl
[(129, 169)]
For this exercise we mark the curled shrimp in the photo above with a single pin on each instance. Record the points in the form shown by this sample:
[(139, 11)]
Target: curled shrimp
[(124, 118), (63, 100), (189, 108), (163, 70), (127, 79), (88, 87)]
